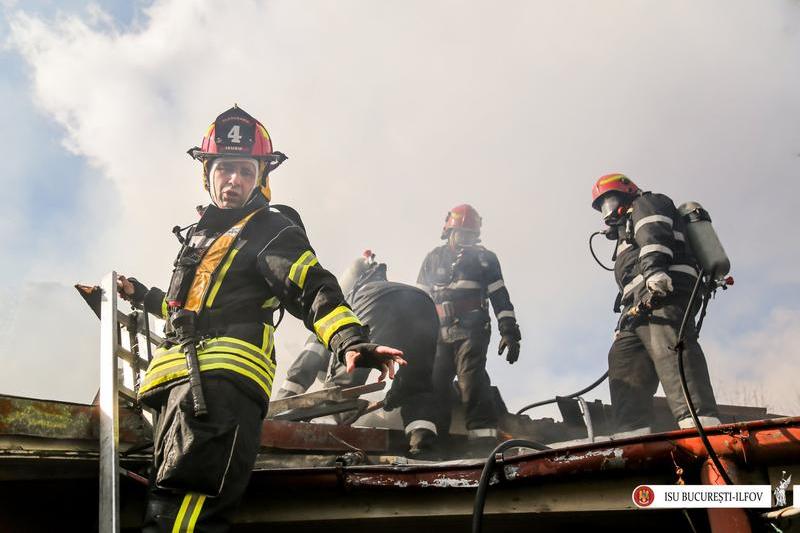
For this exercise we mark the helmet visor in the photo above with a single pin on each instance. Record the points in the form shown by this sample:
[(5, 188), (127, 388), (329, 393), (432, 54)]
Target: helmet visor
[(233, 180)]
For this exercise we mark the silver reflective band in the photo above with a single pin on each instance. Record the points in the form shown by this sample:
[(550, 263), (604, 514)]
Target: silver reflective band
[(291, 386), (686, 269), (421, 424), (506, 314), (679, 236), (464, 284), (497, 285), (650, 220), (622, 247), (632, 285), (652, 248), (481, 433)]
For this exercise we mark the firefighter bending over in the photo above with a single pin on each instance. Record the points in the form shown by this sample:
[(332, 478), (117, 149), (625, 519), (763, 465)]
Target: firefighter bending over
[(211, 381), (655, 271), (460, 276), (397, 315)]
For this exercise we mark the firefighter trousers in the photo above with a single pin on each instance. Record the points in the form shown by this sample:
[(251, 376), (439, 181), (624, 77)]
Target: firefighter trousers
[(187, 509), (642, 355), (466, 359)]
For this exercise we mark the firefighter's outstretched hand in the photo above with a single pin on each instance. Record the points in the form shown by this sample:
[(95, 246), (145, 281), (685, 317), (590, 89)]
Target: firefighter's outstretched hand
[(369, 355), (131, 290), (125, 288), (508, 341)]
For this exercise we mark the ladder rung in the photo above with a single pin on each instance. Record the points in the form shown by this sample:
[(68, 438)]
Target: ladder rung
[(125, 354), (122, 319), (127, 393)]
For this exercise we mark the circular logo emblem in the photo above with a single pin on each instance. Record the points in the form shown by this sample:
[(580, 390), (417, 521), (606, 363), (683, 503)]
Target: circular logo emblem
[(643, 496)]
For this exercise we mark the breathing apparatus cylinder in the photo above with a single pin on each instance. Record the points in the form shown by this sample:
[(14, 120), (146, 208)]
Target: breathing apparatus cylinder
[(704, 242)]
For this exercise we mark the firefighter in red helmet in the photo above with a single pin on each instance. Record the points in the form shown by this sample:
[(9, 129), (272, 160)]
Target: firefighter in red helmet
[(655, 271), (462, 277), (212, 379)]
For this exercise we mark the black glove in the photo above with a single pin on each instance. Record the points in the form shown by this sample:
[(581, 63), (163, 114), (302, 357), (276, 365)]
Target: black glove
[(368, 358), (139, 292), (510, 342)]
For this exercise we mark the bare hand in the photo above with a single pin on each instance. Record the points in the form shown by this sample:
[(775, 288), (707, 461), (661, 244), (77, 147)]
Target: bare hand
[(382, 357)]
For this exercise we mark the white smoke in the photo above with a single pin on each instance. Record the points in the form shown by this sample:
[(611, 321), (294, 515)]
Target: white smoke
[(393, 112)]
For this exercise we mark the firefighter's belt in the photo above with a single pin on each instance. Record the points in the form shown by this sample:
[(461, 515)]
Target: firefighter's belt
[(458, 307)]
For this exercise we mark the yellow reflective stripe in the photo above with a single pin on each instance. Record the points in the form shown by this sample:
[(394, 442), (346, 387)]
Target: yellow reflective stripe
[(225, 341), (615, 177), (246, 359), (196, 513), (166, 358), (304, 272), (267, 388), (333, 321), (220, 277), (176, 527), (299, 270), (272, 302), (164, 308), (157, 380), (266, 343)]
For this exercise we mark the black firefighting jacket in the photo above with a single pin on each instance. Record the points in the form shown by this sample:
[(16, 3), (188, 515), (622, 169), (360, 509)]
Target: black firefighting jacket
[(461, 283), (269, 264), (652, 238)]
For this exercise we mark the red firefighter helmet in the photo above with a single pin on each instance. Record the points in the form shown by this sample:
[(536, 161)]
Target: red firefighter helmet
[(612, 183), (463, 217), (236, 133)]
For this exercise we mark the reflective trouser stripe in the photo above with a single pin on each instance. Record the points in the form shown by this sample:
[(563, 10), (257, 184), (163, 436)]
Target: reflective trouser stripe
[(481, 433), (420, 424), (326, 326), (189, 512), (299, 270)]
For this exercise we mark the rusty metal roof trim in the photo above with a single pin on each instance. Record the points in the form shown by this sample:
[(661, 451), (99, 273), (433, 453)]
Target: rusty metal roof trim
[(749, 443)]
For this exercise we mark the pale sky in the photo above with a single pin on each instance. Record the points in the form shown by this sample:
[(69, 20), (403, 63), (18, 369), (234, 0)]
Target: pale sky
[(391, 113)]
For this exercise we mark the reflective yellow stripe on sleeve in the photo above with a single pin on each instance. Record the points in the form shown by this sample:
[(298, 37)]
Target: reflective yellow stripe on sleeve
[(299, 270), (326, 326), (164, 308)]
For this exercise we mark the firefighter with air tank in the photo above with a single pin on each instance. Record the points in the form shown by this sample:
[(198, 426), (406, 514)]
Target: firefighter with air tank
[(656, 270)]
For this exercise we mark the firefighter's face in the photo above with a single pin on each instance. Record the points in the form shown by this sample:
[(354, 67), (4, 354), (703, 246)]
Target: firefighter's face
[(233, 180)]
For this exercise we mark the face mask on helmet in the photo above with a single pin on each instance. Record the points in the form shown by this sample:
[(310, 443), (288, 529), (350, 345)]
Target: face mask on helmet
[(610, 208), (232, 181), (459, 238)]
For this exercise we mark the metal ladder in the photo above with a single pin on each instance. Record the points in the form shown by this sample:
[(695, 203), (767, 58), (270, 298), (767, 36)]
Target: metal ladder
[(113, 357)]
